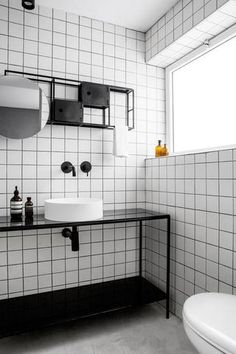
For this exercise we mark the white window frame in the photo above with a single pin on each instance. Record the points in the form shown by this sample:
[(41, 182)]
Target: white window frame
[(203, 49)]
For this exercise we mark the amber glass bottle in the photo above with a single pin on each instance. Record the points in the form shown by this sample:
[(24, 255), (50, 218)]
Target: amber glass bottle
[(165, 151), (158, 149)]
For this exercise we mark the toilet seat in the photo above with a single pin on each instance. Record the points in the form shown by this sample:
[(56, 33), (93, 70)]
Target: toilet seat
[(212, 316), (201, 342)]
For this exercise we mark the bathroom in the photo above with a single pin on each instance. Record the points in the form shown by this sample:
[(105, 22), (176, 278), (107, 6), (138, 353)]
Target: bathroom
[(111, 241)]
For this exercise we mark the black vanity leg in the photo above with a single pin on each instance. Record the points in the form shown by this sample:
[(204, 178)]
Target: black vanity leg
[(168, 269), (140, 248)]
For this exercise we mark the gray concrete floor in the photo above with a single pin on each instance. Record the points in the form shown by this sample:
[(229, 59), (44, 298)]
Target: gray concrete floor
[(140, 331)]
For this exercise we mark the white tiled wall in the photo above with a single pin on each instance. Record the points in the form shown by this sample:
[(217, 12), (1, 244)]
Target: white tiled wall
[(56, 43), (187, 26), (199, 191)]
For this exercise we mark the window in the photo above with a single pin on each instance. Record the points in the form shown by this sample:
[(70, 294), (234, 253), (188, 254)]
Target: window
[(203, 100)]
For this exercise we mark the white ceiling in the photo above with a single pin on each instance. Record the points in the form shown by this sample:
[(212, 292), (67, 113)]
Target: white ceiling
[(135, 14)]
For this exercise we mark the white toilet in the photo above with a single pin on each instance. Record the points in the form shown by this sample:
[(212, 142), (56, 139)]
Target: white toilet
[(210, 322)]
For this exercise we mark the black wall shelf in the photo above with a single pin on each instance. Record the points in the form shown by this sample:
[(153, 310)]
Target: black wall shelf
[(26, 313), (90, 95)]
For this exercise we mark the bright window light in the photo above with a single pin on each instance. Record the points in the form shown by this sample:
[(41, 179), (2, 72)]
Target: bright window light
[(204, 100)]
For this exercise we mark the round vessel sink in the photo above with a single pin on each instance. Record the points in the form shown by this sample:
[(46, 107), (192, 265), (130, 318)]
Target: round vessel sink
[(73, 209)]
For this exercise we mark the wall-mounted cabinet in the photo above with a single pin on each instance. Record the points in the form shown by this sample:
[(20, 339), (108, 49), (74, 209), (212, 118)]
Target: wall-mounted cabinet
[(87, 104)]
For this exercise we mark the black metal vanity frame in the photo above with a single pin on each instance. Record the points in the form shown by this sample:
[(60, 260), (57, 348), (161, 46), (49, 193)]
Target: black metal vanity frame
[(34, 311)]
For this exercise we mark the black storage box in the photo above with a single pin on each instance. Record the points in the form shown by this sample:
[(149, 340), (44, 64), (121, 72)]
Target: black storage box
[(66, 111), (94, 95)]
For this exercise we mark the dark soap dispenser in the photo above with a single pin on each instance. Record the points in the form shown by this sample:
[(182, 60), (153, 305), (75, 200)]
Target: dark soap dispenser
[(29, 210), (16, 207)]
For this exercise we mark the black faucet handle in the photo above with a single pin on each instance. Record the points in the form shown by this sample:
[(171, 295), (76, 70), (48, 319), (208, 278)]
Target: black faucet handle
[(86, 167)]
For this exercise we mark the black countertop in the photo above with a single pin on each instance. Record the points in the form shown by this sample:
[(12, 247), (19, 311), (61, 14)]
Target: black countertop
[(109, 217)]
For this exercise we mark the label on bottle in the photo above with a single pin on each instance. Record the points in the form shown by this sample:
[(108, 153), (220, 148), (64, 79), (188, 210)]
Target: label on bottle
[(16, 207)]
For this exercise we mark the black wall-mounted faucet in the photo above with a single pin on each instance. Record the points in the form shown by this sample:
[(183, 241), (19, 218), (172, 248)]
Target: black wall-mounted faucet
[(86, 167), (67, 167)]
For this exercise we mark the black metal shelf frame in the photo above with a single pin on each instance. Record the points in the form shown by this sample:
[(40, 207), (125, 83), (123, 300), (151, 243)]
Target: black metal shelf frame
[(52, 81), (39, 310)]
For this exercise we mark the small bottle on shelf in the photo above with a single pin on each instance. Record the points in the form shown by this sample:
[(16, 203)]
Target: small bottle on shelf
[(158, 149), (165, 151), (29, 209), (16, 207)]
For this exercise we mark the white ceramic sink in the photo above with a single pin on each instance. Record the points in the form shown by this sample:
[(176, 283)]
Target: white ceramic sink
[(73, 209)]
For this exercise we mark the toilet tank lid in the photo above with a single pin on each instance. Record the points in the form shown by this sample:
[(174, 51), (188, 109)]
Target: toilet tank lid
[(213, 317)]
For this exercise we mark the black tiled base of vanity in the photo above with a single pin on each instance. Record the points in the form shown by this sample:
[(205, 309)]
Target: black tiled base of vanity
[(39, 310)]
